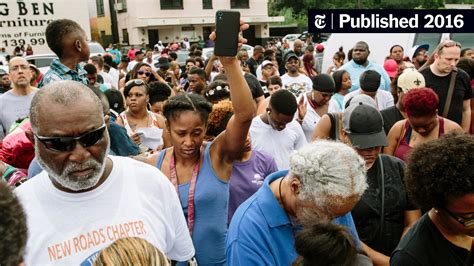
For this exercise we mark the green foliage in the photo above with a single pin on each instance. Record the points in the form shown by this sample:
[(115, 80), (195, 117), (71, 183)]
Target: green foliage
[(296, 11)]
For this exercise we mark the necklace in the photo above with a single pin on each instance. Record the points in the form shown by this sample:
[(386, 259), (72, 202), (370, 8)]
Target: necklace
[(192, 187), (279, 192)]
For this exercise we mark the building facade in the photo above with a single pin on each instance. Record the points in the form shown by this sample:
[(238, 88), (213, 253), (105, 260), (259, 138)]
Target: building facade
[(149, 21)]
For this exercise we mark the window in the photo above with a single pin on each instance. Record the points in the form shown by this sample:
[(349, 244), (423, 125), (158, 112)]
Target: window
[(206, 4), (430, 38), (124, 36), (100, 7), (239, 3), (121, 5), (171, 4)]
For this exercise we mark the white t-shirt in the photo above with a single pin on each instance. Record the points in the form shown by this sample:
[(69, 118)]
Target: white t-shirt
[(136, 200), (278, 144), (115, 77), (311, 118), (108, 80), (297, 85), (383, 99), (131, 65)]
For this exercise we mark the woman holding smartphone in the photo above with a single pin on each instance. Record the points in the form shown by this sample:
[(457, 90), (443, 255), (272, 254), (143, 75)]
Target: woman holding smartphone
[(200, 171)]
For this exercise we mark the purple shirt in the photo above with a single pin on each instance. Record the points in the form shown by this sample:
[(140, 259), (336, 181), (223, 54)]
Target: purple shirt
[(247, 177)]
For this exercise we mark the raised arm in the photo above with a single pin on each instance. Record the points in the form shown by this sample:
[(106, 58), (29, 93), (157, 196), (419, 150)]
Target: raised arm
[(228, 145)]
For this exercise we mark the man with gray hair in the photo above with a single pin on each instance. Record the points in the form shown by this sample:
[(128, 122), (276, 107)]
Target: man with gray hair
[(325, 180), (84, 200)]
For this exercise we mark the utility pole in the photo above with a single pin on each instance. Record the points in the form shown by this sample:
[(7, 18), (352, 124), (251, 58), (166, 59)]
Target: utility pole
[(113, 20)]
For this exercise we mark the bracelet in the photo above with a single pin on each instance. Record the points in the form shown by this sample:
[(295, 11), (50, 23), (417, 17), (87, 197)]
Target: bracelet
[(8, 171)]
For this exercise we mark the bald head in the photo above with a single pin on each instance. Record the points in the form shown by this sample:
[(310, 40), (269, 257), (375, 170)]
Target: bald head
[(65, 93), (20, 73)]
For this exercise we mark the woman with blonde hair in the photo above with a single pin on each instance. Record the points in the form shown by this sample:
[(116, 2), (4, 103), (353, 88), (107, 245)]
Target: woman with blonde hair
[(131, 251)]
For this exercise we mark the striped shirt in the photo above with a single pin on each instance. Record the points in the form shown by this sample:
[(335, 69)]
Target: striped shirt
[(58, 71)]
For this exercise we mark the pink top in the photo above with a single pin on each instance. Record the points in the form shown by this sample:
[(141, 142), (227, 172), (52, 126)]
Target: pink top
[(403, 149)]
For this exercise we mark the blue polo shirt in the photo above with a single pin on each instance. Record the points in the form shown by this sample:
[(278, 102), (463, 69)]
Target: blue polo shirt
[(355, 70), (261, 232)]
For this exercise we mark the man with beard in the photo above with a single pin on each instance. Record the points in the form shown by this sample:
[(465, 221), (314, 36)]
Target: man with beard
[(293, 80), (360, 63), (15, 103), (325, 180), (438, 77), (419, 55), (5, 83), (84, 200)]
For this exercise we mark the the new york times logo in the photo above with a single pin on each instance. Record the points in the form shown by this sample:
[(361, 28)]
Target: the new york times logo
[(391, 21), (319, 21)]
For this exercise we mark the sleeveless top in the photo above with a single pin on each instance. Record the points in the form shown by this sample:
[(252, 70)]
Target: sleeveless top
[(403, 149), (152, 136), (211, 200)]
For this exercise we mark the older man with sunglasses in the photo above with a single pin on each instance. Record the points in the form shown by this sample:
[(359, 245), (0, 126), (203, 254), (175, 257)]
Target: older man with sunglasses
[(438, 76), (84, 200)]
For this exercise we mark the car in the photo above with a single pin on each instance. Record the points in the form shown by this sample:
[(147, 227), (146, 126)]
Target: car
[(43, 61), (207, 52), (96, 48), (291, 37)]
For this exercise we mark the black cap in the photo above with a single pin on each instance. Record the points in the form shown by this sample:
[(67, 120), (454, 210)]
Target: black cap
[(163, 62), (290, 55), (324, 83), (364, 125)]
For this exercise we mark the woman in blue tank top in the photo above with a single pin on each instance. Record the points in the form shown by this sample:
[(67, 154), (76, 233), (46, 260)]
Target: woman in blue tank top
[(201, 171)]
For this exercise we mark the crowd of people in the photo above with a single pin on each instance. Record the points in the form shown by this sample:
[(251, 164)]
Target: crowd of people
[(257, 159)]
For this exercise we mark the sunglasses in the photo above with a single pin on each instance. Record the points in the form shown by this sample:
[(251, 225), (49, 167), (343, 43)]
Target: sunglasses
[(447, 44), (465, 222), (141, 72), (65, 144), (135, 82)]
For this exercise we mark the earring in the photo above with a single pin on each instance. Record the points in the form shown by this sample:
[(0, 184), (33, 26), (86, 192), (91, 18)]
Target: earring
[(148, 105)]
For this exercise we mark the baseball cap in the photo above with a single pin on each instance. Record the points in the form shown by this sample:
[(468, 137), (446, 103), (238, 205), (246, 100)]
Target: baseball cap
[(364, 126), (266, 62), (391, 67), (163, 62), (417, 48), (410, 79), (2, 72), (290, 55), (324, 82), (319, 48), (369, 81), (361, 98)]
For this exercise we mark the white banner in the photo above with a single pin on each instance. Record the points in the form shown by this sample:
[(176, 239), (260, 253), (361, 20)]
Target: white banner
[(23, 23)]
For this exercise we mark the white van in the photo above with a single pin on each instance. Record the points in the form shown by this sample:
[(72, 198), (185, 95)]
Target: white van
[(380, 43)]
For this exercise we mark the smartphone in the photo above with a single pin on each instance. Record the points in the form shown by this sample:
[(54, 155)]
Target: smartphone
[(227, 32)]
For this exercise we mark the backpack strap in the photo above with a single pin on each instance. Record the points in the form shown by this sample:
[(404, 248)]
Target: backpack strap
[(450, 92)]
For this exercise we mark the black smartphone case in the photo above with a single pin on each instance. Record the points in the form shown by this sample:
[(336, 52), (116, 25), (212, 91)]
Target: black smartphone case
[(227, 32)]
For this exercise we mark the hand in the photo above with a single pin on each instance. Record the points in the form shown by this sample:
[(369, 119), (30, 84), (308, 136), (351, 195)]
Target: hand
[(242, 40), (302, 108), (136, 137)]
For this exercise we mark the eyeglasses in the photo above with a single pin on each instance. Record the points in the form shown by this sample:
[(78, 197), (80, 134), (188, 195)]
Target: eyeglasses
[(465, 222), (141, 72), (65, 144)]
